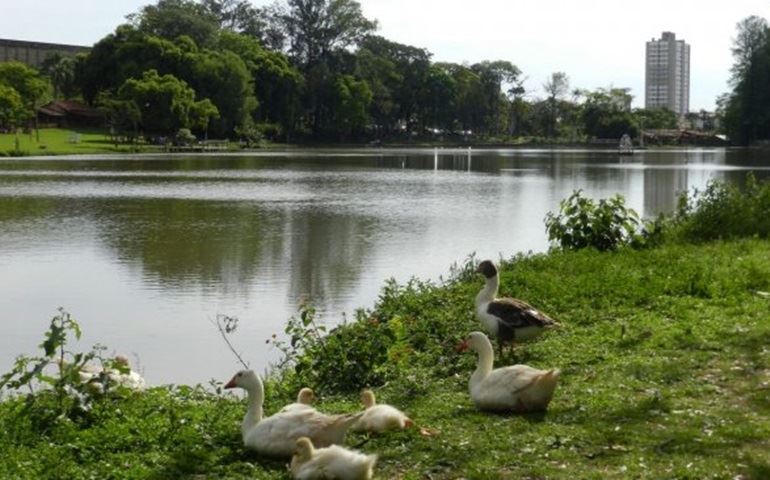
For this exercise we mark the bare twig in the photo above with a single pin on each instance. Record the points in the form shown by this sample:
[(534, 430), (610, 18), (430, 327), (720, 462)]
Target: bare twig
[(229, 326)]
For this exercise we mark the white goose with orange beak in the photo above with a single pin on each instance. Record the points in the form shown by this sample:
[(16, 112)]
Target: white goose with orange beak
[(277, 435)]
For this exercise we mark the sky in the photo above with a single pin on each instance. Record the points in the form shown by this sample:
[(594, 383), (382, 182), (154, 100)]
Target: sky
[(597, 43)]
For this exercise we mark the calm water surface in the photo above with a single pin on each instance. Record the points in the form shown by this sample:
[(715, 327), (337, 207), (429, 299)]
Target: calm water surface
[(146, 251)]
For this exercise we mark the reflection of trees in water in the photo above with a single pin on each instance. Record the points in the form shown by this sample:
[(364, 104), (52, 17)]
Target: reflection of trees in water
[(326, 253), (184, 243), (228, 246)]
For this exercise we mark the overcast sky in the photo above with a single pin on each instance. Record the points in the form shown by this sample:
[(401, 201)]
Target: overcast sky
[(596, 42)]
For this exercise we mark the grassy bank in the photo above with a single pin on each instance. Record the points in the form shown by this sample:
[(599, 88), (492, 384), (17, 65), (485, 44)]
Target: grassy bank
[(59, 141), (666, 374)]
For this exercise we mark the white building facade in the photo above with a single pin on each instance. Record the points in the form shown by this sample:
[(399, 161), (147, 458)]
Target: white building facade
[(667, 74)]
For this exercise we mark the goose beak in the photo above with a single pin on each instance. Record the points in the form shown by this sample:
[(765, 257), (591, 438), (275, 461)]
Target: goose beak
[(462, 346), (478, 268), (230, 384)]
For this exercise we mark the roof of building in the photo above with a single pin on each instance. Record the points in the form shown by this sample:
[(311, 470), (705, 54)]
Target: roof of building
[(63, 108), (53, 46)]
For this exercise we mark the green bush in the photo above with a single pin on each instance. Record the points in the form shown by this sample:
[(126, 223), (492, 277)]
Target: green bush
[(604, 225), (725, 210)]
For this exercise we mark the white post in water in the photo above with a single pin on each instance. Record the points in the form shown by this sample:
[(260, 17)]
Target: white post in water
[(469, 159), (435, 158)]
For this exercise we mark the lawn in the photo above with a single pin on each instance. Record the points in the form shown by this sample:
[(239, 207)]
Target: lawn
[(666, 374), (58, 141)]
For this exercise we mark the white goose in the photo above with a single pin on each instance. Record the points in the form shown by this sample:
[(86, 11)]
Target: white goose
[(120, 374), (518, 388), (277, 435), (379, 418), (305, 399), (334, 462)]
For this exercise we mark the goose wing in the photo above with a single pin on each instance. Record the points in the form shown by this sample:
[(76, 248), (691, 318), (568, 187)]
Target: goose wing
[(516, 314)]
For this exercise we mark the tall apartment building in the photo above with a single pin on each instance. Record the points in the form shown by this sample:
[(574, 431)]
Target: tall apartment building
[(667, 74)]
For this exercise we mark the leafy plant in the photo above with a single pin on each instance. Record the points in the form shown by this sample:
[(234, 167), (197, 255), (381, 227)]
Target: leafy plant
[(725, 210), (604, 225), (70, 393)]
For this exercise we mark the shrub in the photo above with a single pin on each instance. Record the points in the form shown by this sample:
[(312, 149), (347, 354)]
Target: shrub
[(604, 225), (62, 394), (725, 210), (184, 137)]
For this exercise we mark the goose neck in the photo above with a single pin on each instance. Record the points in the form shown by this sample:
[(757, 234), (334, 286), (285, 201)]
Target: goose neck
[(484, 363), (489, 292), (253, 416)]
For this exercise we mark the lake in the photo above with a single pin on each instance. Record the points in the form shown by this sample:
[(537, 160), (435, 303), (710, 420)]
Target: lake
[(146, 251)]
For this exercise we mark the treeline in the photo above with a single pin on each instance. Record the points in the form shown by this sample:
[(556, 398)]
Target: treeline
[(746, 110), (314, 69)]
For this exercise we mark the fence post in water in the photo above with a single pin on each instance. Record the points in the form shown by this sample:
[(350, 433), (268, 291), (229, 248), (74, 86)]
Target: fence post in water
[(435, 158), (469, 159)]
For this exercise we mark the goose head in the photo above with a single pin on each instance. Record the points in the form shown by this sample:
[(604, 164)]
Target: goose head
[(476, 341), (306, 396), (367, 398), (487, 268), (245, 379)]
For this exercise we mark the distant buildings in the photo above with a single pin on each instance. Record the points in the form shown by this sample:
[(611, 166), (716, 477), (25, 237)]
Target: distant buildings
[(667, 74), (34, 53)]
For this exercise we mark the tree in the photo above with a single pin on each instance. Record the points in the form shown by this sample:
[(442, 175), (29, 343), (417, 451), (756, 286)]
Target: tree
[(751, 37), (495, 78), (32, 89), (555, 88), (606, 113), (351, 103), (656, 118), (164, 102), (277, 84), (60, 69), (397, 74), (12, 111), (171, 19), (316, 28), (745, 112)]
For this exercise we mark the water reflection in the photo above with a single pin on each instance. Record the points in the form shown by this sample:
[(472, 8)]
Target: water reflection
[(146, 250)]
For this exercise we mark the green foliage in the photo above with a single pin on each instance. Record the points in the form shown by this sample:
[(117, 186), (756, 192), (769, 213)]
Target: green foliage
[(184, 137), (172, 19), (725, 210), (165, 103), (604, 225), (345, 360), (745, 109), (63, 394), (606, 113), (12, 111)]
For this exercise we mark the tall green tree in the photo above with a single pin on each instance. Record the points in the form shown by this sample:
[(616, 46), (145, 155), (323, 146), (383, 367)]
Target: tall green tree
[(165, 103), (556, 88), (171, 19), (747, 109), (12, 110), (316, 28), (32, 88), (496, 77), (277, 83), (606, 113)]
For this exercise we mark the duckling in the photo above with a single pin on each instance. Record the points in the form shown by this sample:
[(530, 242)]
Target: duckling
[(517, 388), (305, 399), (379, 418), (330, 463)]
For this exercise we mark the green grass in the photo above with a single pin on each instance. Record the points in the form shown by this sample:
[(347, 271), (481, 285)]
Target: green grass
[(57, 141), (666, 374)]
